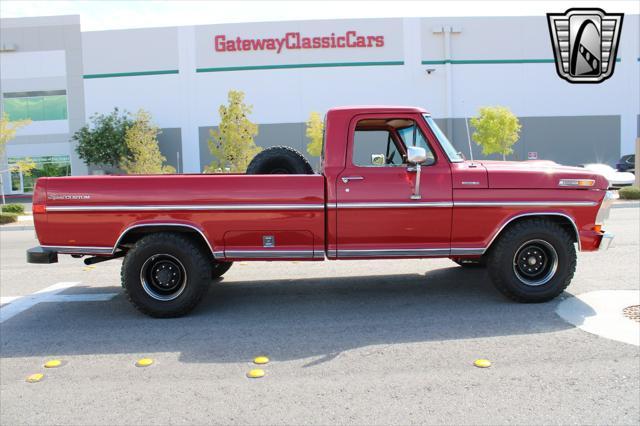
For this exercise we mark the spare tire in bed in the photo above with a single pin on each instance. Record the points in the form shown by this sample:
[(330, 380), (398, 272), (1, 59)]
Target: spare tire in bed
[(279, 160)]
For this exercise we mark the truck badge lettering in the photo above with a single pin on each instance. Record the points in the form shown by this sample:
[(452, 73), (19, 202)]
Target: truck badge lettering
[(68, 197)]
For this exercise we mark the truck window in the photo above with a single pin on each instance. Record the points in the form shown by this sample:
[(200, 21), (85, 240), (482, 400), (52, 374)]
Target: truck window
[(375, 148), (383, 142), (452, 153), (412, 136)]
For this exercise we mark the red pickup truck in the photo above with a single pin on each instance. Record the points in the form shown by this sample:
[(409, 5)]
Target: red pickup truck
[(391, 186)]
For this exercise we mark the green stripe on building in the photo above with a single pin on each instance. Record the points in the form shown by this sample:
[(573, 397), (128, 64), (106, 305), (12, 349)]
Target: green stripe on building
[(490, 61), (289, 66), (130, 74), (327, 65), (487, 61)]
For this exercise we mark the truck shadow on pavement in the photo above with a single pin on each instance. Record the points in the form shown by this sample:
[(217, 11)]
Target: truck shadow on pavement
[(286, 319)]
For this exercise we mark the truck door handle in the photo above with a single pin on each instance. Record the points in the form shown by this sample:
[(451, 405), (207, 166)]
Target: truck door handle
[(346, 179)]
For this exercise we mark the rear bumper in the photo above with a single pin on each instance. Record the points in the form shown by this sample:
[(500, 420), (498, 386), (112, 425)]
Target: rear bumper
[(41, 255), (606, 242)]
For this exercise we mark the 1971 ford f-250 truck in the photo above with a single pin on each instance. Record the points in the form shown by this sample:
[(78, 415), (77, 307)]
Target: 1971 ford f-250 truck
[(391, 186)]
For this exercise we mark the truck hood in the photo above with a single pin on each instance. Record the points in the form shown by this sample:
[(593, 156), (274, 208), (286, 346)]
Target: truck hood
[(536, 174)]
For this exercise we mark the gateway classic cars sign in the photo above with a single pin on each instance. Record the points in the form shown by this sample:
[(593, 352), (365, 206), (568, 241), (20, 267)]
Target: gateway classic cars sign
[(264, 45), (296, 41)]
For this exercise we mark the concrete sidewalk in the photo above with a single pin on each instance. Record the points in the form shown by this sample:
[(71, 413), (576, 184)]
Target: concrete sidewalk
[(24, 223)]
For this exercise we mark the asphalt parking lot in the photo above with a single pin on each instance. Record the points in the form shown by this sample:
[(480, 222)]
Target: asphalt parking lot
[(362, 342)]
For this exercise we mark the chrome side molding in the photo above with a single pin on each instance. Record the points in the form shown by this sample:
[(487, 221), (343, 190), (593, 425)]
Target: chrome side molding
[(184, 207), (394, 253), (392, 205), (524, 203), (270, 254)]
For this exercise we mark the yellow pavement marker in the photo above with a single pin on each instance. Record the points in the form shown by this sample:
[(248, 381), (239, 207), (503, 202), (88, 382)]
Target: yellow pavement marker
[(255, 374), (34, 378), (144, 362), (89, 268), (53, 363), (260, 360), (482, 363)]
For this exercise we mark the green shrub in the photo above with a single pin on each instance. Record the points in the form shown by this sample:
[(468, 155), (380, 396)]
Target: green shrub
[(8, 218), (630, 193), (13, 208)]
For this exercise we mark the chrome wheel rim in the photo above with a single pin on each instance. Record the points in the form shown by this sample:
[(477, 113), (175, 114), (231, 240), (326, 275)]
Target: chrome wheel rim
[(163, 277), (535, 262)]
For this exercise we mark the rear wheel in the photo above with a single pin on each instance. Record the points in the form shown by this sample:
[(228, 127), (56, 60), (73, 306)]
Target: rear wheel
[(166, 275), (533, 261), (281, 160)]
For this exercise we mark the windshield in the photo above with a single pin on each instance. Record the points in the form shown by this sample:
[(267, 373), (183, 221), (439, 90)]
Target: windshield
[(451, 152)]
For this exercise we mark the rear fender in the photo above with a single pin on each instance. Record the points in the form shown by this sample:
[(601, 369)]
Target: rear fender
[(133, 232)]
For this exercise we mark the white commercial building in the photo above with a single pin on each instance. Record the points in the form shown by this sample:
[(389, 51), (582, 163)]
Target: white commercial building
[(59, 76)]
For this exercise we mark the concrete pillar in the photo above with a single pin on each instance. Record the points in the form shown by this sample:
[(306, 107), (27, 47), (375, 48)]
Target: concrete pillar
[(189, 131)]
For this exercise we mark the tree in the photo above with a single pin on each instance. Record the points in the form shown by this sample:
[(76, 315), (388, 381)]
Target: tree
[(141, 141), (102, 143), (8, 130), (497, 130), (315, 133), (25, 166), (232, 145)]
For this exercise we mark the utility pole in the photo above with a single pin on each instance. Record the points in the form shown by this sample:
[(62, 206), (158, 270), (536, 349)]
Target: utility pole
[(637, 163)]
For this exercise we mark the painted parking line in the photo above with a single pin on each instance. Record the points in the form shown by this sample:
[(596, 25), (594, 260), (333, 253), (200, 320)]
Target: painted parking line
[(13, 305), (600, 313)]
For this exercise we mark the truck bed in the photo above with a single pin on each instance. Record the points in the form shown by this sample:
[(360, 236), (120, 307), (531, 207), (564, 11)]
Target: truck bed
[(240, 216)]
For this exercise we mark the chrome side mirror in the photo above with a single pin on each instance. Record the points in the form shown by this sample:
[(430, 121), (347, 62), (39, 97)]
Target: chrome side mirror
[(378, 159), (416, 155)]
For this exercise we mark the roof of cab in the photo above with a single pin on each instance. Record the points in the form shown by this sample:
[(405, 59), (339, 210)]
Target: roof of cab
[(364, 109)]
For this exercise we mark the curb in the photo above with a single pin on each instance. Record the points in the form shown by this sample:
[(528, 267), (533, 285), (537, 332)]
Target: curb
[(625, 204), (17, 228)]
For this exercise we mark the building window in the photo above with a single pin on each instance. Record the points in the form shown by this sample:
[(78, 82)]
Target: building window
[(52, 165), (36, 106)]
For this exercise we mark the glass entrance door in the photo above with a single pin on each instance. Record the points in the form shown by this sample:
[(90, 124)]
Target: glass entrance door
[(17, 182)]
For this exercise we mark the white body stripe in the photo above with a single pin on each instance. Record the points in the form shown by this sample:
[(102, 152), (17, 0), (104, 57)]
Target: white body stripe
[(189, 207)]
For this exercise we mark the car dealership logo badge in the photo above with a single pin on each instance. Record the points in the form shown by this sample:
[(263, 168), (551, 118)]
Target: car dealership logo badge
[(585, 43)]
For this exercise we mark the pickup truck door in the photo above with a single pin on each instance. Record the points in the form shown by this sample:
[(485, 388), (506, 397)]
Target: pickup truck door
[(376, 213)]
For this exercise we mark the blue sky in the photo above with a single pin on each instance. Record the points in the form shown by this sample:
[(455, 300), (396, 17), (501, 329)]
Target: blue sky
[(104, 15)]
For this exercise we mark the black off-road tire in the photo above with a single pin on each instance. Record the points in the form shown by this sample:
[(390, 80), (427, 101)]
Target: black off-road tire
[(219, 268), (194, 266), (281, 160), (470, 263), (502, 264)]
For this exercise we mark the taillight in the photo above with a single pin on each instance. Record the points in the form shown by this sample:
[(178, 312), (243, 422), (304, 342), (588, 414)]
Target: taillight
[(40, 196)]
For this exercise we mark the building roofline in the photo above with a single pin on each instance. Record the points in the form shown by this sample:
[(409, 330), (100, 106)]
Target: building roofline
[(40, 21)]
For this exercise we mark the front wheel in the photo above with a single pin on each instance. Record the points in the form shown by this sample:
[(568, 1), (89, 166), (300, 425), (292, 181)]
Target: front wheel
[(166, 275), (533, 261)]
